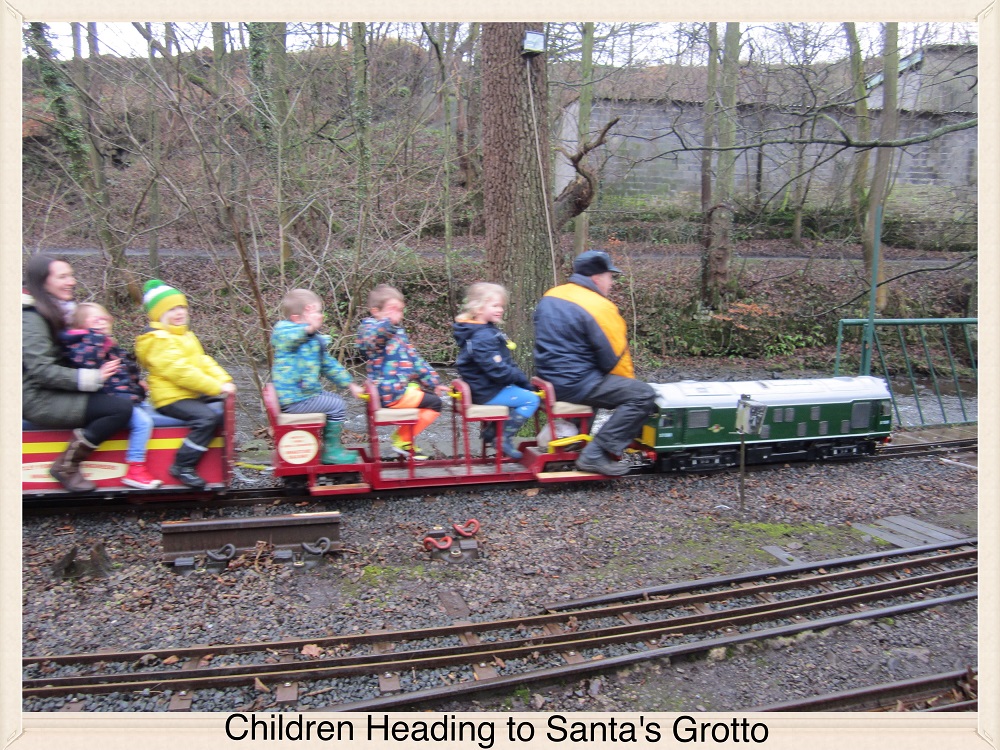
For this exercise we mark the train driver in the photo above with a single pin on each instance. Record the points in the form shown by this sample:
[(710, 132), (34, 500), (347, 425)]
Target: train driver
[(581, 347)]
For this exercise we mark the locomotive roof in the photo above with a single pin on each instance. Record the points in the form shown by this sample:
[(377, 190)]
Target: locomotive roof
[(688, 393)]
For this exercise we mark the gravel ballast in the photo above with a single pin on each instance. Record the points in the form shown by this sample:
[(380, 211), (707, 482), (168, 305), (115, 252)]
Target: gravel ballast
[(538, 546)]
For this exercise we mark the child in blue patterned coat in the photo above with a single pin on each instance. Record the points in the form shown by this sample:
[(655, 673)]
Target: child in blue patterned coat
[(301, 357)]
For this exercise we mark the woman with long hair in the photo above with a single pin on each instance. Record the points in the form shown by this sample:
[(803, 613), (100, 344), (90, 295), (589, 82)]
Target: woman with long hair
[(52, 394)]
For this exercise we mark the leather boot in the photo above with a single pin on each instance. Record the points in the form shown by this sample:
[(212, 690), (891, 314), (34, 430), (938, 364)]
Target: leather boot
[(333, 450), (594, 459), (66, 468), (510, 429)]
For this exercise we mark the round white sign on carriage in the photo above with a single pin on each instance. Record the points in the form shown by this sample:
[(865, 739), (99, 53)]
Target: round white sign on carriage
[(298, 447)]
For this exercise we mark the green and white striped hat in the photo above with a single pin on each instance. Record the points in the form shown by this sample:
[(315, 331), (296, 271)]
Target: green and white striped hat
[(158, 298)]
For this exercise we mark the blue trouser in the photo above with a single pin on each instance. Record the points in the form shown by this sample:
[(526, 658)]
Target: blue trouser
[(521, 402), (140, 427)]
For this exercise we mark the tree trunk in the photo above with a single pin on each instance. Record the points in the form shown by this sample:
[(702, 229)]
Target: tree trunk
[(883, 156), (220, 81), (859, 176), (361, 114), (581, 225), (799, 191), (445, 97), (708, 138), (715, 277), (467, 163), (267, 61), (516, 176), (155, 151)]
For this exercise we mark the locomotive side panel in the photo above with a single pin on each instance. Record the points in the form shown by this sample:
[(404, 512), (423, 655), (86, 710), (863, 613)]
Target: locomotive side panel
[(807, 419)]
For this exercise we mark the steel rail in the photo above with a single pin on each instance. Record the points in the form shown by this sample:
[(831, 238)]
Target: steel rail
[(886, 695), (728, 580), (434, 695), (450, 656), (599, 607)]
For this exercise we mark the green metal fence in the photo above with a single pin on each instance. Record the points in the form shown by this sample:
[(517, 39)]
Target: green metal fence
[(929, 364)]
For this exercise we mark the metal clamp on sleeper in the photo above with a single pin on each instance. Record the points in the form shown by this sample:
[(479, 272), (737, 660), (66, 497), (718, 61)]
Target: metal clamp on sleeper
[(322, 545), (223, 554), (467, 529), (430, 543)]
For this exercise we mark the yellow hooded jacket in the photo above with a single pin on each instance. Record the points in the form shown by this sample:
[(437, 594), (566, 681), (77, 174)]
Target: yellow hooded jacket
[(177, 364)]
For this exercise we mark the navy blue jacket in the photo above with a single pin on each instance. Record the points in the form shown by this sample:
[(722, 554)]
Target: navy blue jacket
[(484, 360), (580, 337)]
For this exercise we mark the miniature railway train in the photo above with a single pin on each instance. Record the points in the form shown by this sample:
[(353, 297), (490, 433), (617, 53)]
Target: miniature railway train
[(693, 429)]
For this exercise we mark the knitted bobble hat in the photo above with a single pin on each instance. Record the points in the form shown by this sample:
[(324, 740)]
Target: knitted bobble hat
[(158, 298)]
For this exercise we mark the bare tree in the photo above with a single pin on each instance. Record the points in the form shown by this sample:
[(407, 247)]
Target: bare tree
[(883, 156), (581, 225), (718, 250), (80, 138), (519, 246)]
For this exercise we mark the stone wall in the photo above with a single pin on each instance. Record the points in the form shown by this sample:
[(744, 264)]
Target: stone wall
[(645, 157)]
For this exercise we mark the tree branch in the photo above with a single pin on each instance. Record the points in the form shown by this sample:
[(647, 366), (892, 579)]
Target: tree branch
[(846, 141), (579, 193)]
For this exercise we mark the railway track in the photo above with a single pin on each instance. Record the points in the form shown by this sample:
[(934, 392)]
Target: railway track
[(936, 448), (56, 503), (948, 691), (394, 669)]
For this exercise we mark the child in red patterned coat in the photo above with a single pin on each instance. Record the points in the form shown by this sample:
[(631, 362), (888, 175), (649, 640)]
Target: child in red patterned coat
[(396, 368)]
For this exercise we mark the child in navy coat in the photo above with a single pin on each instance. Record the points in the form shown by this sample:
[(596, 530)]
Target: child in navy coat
[(485, 361), (88, 346)]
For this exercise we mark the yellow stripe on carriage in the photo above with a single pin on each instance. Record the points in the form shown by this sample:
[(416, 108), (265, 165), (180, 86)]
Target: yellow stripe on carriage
[(113, 445)]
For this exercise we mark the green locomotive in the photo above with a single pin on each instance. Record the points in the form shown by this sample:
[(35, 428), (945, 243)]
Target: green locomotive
[(806, 419)]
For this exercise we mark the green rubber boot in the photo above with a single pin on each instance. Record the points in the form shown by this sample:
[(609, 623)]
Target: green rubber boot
[(333, 451)]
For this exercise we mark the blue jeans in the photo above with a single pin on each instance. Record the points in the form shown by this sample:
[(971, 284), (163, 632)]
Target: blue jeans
[(140, 427), (521, 402)]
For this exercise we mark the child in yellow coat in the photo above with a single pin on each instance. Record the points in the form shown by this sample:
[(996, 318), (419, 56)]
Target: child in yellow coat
[(182, 378)]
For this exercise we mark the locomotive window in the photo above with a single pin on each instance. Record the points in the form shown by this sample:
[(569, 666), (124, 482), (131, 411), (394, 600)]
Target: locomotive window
[(801, 429), (698, 419), (814, 413), (886, 408), (667, 420), (845, 426), (789, 414), (861, 414), (824, 428), (765, 431), (777, 415)]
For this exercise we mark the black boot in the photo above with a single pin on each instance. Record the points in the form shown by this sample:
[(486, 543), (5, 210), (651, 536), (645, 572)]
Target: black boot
[(488, 433), (594, 459), (183, 468)]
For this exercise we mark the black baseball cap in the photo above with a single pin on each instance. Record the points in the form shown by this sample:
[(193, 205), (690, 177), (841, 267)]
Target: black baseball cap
[(594, 261)]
